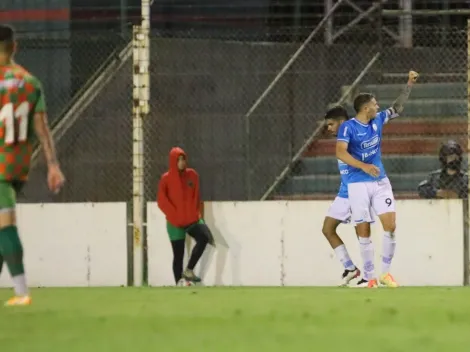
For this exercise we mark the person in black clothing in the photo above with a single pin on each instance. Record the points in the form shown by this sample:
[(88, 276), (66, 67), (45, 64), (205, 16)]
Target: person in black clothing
[(450, 181)]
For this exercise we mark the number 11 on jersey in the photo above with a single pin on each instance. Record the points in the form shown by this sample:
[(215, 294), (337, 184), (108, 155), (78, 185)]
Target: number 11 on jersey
[(14, 123)]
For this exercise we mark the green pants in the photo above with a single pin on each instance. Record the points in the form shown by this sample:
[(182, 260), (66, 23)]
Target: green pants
[(8, 192), (179, 233)]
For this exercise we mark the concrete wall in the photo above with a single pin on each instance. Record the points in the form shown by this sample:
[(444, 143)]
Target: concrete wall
[(258, 244)]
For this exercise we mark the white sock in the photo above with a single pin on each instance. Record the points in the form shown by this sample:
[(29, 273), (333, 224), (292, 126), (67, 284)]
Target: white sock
[(367, 254), (20, 286), (388, 250), (343, 255)]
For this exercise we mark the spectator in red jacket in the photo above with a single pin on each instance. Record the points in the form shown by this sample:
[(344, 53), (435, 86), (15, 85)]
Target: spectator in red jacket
[(178, 198)]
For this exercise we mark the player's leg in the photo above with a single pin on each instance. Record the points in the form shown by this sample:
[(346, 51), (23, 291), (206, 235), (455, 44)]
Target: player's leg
[(340, 212), (177, 238), (178, 257), (383, 203), (359, 198), (11, 247), (202, 235)]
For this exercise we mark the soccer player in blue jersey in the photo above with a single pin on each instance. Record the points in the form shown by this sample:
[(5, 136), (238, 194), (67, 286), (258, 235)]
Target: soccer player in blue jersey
[(340, 210), (358, 148)]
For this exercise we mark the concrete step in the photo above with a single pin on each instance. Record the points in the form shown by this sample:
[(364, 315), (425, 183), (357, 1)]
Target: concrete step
[(450, 90), (391, 145), (426, 107), (327, 165), (426, 127), (330, 184), (331, 196), (418, 127)]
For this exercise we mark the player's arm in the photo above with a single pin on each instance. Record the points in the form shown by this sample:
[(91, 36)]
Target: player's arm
[(43, 132), (55, 178), (427, 188), (398, 104), (164, 203), (343, 155), (41, 127), (342, 142)]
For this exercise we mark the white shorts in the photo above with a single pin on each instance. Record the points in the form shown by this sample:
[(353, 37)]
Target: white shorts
[(340, 210), (365, 197)]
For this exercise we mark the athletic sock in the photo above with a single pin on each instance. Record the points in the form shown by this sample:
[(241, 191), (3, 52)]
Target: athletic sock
[(367, 254), (12, 252), (388, 248), (343, 256), (20, 285)]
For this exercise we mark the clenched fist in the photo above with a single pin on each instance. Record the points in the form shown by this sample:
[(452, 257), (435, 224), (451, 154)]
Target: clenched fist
[(412, 77), (55, 178)]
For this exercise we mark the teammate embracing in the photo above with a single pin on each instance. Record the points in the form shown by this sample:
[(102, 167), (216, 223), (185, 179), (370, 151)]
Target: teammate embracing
[(359, 148), (340, 210), (22, 114)]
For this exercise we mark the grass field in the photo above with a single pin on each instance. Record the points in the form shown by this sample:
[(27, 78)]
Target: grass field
[(239, 319)]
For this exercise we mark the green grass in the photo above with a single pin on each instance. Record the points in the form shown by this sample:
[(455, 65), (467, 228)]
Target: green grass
[(239, 319)]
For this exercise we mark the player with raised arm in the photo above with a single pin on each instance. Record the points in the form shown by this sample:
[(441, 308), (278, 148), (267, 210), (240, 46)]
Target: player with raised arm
[(359, 147), (340, 210), (22, 112)]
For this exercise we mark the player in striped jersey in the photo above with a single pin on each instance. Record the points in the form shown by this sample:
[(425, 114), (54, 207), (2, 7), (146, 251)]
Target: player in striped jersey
[(22, 118)]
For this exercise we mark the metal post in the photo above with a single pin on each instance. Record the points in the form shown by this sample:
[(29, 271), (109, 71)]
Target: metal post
[(401, 24), (123, 17), (445, 24), (141, 97), (380, 38), (466, 202), (406, 24), (291, 79), (297, 19), (329, 23)]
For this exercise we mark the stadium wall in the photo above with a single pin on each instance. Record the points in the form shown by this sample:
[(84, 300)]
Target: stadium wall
[(81, 244), (274, 243)]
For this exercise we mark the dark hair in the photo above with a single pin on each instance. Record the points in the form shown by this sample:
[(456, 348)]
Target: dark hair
[(450, 147), (337, 113), (7, 38), (361, 99)]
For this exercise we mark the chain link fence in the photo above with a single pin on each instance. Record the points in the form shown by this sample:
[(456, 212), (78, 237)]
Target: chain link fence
[(435, 113), (95, 153), (203, 85)]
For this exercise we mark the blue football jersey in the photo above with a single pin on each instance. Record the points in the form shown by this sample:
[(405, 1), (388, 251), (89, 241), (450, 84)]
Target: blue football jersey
[(343, 190), (364, 144)]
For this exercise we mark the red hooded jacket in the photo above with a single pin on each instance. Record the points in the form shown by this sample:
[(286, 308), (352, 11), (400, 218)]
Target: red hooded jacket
[(178, 193)]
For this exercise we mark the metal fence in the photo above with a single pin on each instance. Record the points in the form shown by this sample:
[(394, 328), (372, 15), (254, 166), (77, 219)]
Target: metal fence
[(67, 67), (65, 63), (202, 88)]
